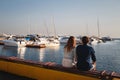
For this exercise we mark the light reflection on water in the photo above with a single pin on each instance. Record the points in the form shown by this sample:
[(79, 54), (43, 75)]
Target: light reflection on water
[(107, 54), (53, 54)]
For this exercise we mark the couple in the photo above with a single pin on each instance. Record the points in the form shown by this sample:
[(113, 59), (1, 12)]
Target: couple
[(82, 54)]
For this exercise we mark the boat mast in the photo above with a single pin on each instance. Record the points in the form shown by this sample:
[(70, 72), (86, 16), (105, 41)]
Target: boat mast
[(98, 27), (54, 27), (46, 28), (29, 26), (87, 29)]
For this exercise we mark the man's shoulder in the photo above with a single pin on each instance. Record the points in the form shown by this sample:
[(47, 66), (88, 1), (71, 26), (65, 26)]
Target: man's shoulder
[(79, 46), (90, 46)]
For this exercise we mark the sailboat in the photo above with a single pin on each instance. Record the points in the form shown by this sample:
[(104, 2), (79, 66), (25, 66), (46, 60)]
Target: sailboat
[(95, 40), (98, 27), (53, 41)]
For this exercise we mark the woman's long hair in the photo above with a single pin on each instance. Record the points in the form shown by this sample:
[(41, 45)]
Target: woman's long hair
[(71, 43)]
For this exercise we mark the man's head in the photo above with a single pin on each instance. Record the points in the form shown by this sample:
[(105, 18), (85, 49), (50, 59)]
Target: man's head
[(85, 39)]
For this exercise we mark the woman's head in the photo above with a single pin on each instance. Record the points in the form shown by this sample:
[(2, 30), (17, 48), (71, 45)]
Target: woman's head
[(71, 43), (85, 39)]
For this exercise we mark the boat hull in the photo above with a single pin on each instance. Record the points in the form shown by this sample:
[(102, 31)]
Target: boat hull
[(13, 43)]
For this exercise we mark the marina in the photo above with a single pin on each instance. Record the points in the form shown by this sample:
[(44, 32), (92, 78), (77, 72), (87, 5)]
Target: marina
[(34, 34), (107, 54)]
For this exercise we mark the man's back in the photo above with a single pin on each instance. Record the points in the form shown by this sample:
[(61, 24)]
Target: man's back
[(84, 53)]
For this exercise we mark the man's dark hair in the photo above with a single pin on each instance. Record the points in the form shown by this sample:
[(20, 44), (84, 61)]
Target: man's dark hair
[(85, 39)]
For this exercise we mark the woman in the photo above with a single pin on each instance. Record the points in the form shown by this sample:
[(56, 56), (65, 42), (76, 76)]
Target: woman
[(69, 52)]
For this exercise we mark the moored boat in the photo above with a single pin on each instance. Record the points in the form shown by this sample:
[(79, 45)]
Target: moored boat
[(52, 42), (15, 42), (35, 42), (64, 39), (36, 45)]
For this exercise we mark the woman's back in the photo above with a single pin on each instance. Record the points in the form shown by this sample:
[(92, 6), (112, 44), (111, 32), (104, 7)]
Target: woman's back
[(69, 52)]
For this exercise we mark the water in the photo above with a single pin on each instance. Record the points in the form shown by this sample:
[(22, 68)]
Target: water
[(107, 54)]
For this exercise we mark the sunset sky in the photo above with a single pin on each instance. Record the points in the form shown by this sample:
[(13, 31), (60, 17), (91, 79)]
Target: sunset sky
[(68, 17)]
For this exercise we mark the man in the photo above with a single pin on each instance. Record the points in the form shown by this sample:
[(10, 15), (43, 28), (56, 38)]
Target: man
[(84, 53)]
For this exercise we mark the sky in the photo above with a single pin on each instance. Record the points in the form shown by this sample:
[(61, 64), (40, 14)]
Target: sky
[(60, 17)]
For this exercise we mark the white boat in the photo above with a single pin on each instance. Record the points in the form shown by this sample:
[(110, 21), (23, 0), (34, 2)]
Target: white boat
[(52, 42), (15, 43), (43, 40), (64, 40), (78, 40), (93, 41), (34, 41)]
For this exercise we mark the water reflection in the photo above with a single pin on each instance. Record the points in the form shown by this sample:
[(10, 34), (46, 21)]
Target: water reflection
[(9, 51), (53, 54), (41, 56), (21, 52), (32, 54), (54, 48)]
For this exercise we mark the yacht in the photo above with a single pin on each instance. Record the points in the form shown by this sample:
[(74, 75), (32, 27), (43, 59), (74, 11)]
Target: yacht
[(35, 41), (63, 40), (15, 42), (52, 42)]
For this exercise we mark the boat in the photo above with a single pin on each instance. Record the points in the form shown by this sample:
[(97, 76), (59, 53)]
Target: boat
[(51, 70), (52, 42), (93, 41), (105, 39), (63, 40), (3, 37), (78, 40), (15, 42), (34, 41), (36, 45)]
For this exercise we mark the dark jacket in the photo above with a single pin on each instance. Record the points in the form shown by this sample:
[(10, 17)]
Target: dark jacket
[(84, 53)]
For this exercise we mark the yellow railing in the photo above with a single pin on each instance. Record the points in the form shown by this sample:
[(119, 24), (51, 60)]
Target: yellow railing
[(50, 71)]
